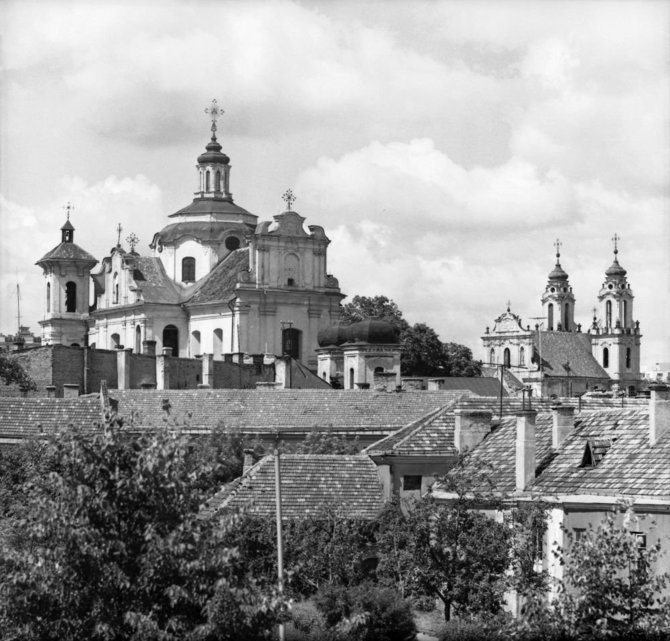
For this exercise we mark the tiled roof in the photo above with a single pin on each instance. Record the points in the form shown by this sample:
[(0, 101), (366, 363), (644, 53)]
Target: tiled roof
[(269, 411), (24, 417), (68, 251), (211, 206), (154, 283), (480, 385), (311, 485), (203, 231), (219, 284), (560, 348)]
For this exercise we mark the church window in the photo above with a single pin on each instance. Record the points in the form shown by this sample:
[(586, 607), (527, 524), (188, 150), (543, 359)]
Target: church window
[(188, 269), (138, 339), (566, 324), (606, 357), (522, 356), (171, 338), (624, 312), (550, 317), (608, 313), (195, 343), (379, 370), (351, 378), (48, 297), (506, 357), (207, 177), (627, 357), (290, 338), (492, 358), (71, 297), (232, 243), (115, 289), (116, 340), (217, 183), (291, 265), (217, 343)]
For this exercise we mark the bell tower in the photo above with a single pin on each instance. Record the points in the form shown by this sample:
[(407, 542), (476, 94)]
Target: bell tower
[(616, 343), (67, 273), (558, 301)]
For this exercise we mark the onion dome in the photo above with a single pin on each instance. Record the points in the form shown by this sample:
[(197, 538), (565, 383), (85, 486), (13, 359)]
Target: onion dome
[(373, 332), (213, 154), (333, 335), (558, 273)]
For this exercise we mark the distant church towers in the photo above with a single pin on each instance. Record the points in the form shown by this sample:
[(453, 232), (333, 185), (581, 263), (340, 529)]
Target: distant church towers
[(67, 273), (558, 302)]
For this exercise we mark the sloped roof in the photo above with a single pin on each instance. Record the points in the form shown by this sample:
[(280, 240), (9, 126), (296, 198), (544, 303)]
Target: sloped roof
[(270, 411), (68, 251), (219, 284), (202, 230), (210, 206), (25, 417), (479, 385), (155, 285), (312, 486), (560, 348)]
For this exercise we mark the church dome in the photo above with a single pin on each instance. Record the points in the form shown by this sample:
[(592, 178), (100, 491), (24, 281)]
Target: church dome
[(374, 332), (213, 154), (615, 269), (558, 273)]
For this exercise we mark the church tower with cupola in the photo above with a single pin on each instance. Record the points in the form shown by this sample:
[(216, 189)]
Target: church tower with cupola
[(616, 336), (558, 301), (67, 273)]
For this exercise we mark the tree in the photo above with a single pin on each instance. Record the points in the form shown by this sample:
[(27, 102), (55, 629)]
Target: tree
[(13, 373), (423, 354), (110, 545)]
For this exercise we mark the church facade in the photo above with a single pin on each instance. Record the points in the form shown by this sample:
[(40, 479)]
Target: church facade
[(217, 282), (555, 356)]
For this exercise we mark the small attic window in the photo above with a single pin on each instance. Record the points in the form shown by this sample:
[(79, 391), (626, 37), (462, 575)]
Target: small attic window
[(411, 482), (594, 451)]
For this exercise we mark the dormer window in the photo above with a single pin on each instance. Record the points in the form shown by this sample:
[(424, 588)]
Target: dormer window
[(594, 451), (188, 269)]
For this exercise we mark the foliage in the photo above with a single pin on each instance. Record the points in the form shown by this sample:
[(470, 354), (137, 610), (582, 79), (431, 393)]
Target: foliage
[(365, 612), (110, 546), (13, 373), (327, 443), (423, 354)]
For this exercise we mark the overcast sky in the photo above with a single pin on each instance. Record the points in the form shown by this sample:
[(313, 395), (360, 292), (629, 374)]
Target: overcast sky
[(444, 146)]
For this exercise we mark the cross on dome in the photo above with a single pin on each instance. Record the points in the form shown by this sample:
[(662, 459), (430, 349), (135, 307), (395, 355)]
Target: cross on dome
[(214, 112), (289, 198), (558, 245), (615, 239), (132, 240), (69, 207), (119, 229)]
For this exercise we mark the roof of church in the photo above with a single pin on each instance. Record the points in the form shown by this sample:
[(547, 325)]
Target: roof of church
[(219, 284), (615, 269), (155, 285), (573, 349), (204, 231), (201, 206), (313, 486), (271, 411), (68, 251)]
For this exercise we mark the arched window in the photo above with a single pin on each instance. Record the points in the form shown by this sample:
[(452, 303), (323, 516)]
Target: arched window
[(217, 343), (195, 343), (116, 340), (566, 322), (290, 342), (492, 356), (606, 357), (188, 269), (550, 317), (70, 297), (171, 339), (608, 313), (379, 370), (627, 357), (506, 357), (522, 356), (138, 339), (48, 297), (351, 378), (624, 313), (115, 288), (217, 181)]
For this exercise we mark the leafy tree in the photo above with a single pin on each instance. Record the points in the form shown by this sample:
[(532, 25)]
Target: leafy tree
[(13, 373), (423, 354), (327, 443), (110, 545)]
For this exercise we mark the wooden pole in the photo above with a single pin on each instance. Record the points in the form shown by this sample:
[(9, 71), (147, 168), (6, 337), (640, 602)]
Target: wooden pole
[(280, 544)]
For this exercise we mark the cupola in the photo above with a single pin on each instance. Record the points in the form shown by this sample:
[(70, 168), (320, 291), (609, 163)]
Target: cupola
[(558, 300), (213, 165)]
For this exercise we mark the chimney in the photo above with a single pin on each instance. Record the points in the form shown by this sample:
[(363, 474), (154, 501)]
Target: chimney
[(70, 390), (249, 461), (471, 426), (659, 412), (51, 391), (525, 448), (563, 417)]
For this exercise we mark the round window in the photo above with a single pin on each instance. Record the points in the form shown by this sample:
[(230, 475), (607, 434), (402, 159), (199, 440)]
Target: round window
[(553, 289), (232, 243), (610, 286)]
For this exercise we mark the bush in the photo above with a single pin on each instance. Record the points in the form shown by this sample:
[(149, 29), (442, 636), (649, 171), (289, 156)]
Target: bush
[(365, 612)]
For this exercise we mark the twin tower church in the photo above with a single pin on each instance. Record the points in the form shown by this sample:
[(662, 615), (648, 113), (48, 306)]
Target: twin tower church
[(219, 282)]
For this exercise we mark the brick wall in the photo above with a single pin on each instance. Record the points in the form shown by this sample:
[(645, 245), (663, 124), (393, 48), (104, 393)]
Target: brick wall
[(185, 373), (245, 376), (142, 370), (101, 367)]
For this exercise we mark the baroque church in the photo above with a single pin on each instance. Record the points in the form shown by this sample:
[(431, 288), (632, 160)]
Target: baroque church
[(217, 282), (555, 356)]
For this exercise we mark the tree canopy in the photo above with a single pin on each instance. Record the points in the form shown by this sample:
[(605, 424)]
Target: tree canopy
[(422, 351), (12, 373)]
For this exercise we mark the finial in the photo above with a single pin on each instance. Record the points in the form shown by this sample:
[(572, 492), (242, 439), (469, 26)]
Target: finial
[(214, 112), (289, 198), (595, 311), (132, 240), (119, 229), (69, 207), (509, 304), (558, 245), (615, 239)]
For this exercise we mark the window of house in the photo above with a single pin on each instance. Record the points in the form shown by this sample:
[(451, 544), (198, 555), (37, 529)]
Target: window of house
[(579, 533), (606, 357), (640, 540), (411, 482), (71, 297), (188, 269)]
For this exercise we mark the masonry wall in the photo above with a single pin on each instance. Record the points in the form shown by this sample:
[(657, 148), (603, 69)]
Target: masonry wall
[(101, 367), (142, 370), (242, 376), (38, 363), (185, 373)]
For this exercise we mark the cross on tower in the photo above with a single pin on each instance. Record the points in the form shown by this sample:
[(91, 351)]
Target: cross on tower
[(615, 239), (132, 240), (289, 198), (69, 207), (214, 112), (509, 305), (558, 245), (119, 229)]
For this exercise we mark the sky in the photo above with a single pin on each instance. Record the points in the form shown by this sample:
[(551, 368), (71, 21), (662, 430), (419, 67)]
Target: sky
[(444, 146)]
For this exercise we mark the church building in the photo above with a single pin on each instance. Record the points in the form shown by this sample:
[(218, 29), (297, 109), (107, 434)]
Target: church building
[(555, 356), (217, 282)]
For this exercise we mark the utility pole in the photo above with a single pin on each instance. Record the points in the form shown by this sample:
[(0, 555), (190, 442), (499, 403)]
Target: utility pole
[(280, 543)]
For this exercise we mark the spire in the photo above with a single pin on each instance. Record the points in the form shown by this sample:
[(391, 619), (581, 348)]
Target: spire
[(558, 272)]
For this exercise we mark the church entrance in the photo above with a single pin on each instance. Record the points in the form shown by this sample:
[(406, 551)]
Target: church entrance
[(171, 339)]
